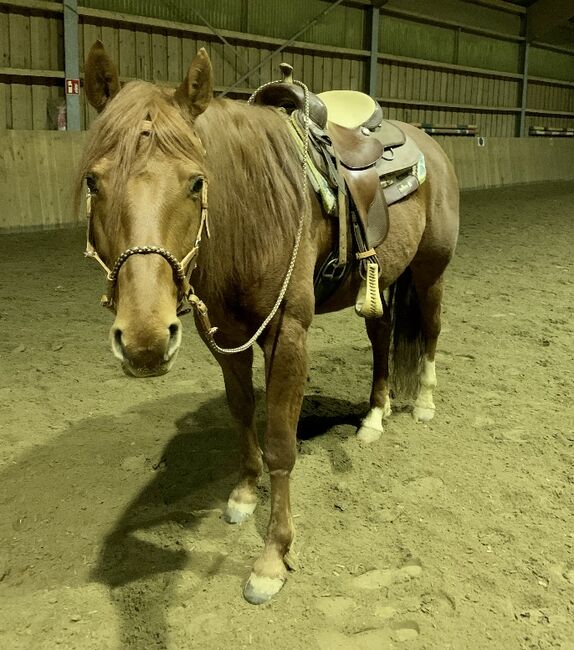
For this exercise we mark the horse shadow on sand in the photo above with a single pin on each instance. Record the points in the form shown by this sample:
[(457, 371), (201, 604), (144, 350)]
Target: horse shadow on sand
[(64, 504), (195, 474)]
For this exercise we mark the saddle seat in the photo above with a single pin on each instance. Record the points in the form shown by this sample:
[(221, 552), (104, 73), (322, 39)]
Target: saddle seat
[(351, 108)]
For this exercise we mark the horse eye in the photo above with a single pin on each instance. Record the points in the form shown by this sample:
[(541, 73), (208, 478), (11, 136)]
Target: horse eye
[(196, 185), (92, 183)]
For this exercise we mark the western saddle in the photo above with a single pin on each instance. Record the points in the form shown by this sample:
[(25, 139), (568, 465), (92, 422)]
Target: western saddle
[(359, 164)]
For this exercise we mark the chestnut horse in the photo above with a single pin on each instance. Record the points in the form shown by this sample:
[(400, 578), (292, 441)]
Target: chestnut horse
[(149, 157)]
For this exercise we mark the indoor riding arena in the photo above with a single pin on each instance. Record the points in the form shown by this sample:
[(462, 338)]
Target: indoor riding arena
[(127, 492)]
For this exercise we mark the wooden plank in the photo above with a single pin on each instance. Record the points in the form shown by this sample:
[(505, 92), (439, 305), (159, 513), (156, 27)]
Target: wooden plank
[(188, 51), (110, 40), (4, 106), (337, 74), (159, 57), (127, 59), (40, 99), (56, 43), (4, 41), (417, 83), (401, 76), (39, 37), (19, 28), (327, 80), (393, 86), (91, 33), (408, 91), (22, 106), (346, 74), (174, 59), (144, 68), (216, 50), (298, 65), (317, 85)]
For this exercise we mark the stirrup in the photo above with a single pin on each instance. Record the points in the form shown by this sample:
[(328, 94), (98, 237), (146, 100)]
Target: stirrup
[(369, 304)]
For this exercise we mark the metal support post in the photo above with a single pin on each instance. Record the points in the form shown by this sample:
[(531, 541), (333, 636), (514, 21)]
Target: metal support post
[(524, 96), (374, 56), (72, 65)]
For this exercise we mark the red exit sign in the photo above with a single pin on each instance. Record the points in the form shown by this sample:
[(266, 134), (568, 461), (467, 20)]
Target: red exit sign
[(72, 86)]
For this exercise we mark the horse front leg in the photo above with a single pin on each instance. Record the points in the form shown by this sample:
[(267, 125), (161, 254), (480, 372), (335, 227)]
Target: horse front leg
[(238, 377), (286, 371)]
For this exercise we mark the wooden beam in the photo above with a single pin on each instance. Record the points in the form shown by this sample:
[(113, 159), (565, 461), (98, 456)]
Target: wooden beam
[(546, 15), (469, 108), (499, 5), (34, 5), (36, 74)]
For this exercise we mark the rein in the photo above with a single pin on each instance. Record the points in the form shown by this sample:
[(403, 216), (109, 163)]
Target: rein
[(183, 269)]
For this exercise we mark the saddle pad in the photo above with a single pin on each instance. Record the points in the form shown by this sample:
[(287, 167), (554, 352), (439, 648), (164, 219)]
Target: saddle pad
[(348, 108)]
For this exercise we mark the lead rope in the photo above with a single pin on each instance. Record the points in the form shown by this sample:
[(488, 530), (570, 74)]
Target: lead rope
[(200, 307)]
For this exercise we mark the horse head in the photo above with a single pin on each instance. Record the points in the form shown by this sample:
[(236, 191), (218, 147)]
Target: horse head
[(145, 172)]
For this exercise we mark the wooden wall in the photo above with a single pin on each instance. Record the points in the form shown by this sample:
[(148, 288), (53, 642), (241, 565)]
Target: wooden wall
[(37, 170), (430, 68), (31, 67)]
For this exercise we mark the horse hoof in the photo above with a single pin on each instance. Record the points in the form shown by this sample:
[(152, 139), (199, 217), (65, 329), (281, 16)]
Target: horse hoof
[(368, 434), (260, 589), (423, 413), (237, 512)]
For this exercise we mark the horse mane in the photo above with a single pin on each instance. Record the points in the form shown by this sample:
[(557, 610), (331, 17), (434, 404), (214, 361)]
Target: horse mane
[(255, 195), (253, 168)]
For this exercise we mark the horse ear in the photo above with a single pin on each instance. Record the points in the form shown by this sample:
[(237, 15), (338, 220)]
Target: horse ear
[(101, 80), (196, 90)]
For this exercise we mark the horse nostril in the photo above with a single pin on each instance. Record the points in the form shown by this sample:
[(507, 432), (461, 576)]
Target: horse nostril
[(174, 339), (117, 343)]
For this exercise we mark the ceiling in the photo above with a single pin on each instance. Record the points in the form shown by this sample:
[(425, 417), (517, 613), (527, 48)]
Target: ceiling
[(551, 21)]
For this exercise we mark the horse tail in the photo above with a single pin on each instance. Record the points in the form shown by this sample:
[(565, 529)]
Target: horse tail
[(407, 341)]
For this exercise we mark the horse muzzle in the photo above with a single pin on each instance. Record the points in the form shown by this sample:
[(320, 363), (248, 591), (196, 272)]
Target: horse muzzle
[(146, 353)]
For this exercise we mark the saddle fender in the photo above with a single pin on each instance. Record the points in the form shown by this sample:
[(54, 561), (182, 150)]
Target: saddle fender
[(365, 189)]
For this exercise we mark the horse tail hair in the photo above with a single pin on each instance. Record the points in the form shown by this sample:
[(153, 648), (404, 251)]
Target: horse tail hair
[(407, 341)]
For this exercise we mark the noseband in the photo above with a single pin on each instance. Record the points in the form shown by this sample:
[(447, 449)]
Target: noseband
[(182, 270)]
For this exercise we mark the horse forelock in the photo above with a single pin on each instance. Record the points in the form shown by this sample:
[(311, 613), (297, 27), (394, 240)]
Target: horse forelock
[(119, 135)]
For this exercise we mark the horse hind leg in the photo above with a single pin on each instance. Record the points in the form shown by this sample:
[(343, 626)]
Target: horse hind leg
[(430, 294), (379, 332)]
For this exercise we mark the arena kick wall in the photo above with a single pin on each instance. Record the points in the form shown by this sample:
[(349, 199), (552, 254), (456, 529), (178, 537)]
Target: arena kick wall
[(37, 171)]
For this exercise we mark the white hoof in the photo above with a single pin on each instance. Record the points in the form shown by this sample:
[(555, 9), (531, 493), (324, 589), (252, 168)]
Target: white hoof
[(372, 426), (260, 589), (368, 434), (237, 512), (423, 413)]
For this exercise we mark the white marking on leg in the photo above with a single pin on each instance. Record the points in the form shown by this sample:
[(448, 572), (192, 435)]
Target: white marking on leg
[(236, 511), (424, 405), (260, 589), (372, 426)]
